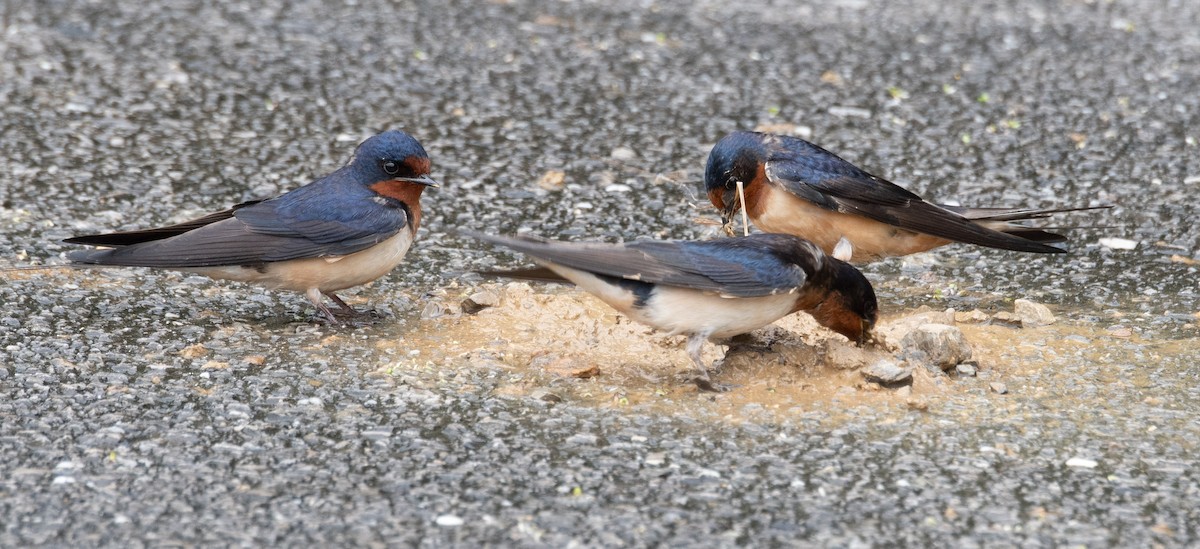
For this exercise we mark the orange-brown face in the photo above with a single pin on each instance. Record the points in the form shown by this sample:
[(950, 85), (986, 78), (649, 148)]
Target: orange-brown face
[(755, 190), (835, 314), (408, 193), (717, 197)]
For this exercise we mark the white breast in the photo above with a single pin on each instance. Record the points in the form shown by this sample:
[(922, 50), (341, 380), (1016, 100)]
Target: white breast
[(685, 311), (681, 310)]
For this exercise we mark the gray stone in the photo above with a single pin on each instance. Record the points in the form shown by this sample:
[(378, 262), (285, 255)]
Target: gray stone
[(966, 369), (887, 371), (434, 310), (894, 331), (480, 300), (1032, 314), (546, 395), (974, 316), (1006, 318), (999, 388), (945, 346)]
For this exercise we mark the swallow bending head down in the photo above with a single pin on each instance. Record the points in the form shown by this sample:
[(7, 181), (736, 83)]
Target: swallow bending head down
[(794, 187), (708, 289), (342, 230)]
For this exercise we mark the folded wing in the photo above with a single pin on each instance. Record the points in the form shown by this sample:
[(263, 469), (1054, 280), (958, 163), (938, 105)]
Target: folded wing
[(294, 226), (730, 267), (837, 185)]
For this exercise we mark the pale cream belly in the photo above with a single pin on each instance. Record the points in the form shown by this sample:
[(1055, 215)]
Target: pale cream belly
[(679, 310), (327, 274), (872, 240), (684, 311)]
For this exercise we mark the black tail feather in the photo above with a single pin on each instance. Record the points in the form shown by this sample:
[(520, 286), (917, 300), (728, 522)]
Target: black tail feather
[(127, 238)]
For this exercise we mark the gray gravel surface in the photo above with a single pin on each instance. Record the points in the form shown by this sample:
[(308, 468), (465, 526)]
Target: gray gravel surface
[(148, 408)]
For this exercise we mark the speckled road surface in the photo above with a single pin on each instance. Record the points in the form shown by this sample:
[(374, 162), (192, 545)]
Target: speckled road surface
[(149, 408)]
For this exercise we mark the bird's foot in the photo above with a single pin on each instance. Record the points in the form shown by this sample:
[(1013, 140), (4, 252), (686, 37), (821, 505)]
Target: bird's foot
[(344, 311), (328, 315)]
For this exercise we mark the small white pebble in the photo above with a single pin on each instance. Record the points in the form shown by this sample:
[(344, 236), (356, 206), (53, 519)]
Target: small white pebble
[(449, 520), (623, 153), (1082, 462), (854, 112), (1118, 243)]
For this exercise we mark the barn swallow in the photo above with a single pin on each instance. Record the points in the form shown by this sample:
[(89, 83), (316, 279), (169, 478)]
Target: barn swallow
[(795, 187), (708, 289), (342, 230)]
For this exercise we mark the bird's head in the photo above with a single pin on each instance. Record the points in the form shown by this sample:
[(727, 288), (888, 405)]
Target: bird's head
[(850, 307), (392, 156), (737, 157)]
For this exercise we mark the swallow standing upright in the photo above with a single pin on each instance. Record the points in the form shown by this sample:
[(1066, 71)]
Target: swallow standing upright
[(795, 187), (708, 289), (342, 230)]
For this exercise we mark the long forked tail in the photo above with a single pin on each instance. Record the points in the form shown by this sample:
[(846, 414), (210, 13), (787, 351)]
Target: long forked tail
[(1007, 220)]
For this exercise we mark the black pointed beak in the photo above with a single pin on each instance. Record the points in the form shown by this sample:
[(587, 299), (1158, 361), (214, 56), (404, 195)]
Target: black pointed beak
[(420, 180), (732, 205), (867, 335)]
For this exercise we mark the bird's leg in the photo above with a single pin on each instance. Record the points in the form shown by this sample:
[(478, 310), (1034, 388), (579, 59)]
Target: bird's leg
[(694, 345), (314, 296), (843, 250), (344, 308)]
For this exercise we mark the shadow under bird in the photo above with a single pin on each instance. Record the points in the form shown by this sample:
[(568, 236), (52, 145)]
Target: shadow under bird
[(795, 187), (342, 230), (707, 289)]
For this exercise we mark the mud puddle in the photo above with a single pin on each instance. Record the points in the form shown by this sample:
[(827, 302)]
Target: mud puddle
[(558, 344)]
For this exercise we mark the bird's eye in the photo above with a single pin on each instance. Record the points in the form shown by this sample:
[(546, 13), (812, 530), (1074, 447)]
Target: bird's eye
[(391, 167)]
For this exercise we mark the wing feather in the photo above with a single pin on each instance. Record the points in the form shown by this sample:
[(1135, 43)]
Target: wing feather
[(732, 267), (839, 186), (313, 221)]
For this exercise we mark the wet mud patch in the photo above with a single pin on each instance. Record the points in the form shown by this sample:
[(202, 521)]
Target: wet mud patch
[(560, 345)]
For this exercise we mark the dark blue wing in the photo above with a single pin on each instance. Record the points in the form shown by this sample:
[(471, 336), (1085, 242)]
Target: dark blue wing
[(824, 178), (751, 266), (324, 219), (327, 218), (821, 177)]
